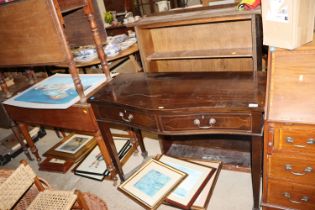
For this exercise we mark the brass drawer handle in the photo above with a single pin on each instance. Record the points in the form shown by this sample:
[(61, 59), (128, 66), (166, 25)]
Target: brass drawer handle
[(288, 167), (304, 198), (128, 119), (310, 141), (212, 121), (290, 140)]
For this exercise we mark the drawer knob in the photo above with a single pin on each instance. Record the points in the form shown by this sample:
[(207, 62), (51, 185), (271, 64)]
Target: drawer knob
[(128, 119), (212, 121), (288, 167), (304, 198)]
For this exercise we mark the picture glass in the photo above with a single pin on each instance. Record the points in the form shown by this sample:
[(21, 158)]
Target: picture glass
[(152, 183), (196, 176), (74, 144)]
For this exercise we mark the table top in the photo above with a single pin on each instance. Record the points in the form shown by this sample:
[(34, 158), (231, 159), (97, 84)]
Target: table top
[(240, 91)]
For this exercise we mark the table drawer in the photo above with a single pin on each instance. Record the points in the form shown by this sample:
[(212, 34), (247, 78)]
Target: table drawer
[(296, 170), (290, 195), (126, 116), (298, 140), (206, 122)]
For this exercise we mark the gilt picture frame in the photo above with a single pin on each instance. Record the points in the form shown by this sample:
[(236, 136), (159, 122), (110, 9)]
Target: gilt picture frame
[(197, 176), (152, 183), (74, 144), (65, 150)]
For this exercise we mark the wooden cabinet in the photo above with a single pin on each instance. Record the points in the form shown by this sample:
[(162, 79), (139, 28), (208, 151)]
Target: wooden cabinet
[(289, 157), (289, 176), (207, 40)]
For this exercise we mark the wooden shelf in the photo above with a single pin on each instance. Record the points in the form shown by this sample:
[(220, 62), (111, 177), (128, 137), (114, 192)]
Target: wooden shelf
[(216, 40), (70, 5), (193, 54)]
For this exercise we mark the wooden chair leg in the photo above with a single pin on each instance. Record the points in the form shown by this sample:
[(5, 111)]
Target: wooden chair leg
[(81, 200)]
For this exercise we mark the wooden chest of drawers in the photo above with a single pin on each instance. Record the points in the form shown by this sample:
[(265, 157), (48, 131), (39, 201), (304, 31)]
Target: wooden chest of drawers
[(289, 146), (289, 164)]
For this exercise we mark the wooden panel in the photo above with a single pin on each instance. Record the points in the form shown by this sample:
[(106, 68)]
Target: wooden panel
[(75, 118), (237, 34), (220, 121), (296, 170), (208, 53), (125, 116), (78, 30), (279, 192), (296, 140), (202, 65), (200, 41), (68, 5), (291, 89), (44, 44)]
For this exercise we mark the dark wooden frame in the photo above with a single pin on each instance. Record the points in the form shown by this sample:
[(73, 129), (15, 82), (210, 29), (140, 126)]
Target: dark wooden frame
[(199, 189)]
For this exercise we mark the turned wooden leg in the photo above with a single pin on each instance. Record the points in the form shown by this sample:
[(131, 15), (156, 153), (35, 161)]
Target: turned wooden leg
[(81, 200), (256, 168), (111, 148), (4, 86), (105, 153), (29, 140), (88, 10), (138, 136), (17, 135)]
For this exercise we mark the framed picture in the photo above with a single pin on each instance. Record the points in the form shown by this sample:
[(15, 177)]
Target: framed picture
[(55, 165), (202, 201), (72, 147), (152, 183), (93, 166), (187, 191), (55, 92), (74, 144)]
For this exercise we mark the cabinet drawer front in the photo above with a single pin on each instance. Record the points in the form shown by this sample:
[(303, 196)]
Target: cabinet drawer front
[(201, 122), (290, 195), (296, 170), (125, 116), (298, 140)]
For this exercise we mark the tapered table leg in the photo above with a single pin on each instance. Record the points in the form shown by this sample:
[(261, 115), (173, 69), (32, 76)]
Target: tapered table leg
[(105, 153), (139, 138), (110, 145), (29, 140), (256, 168)]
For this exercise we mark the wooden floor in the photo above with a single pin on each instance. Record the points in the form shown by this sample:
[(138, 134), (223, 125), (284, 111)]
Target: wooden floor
[(233, 189)]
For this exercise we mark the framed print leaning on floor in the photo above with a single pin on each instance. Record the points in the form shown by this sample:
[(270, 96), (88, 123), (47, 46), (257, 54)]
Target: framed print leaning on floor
[(187, 191), (152, 183)]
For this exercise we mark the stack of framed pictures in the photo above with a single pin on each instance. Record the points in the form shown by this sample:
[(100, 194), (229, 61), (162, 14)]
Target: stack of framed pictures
[(68, 151), (186, 184), (94, 167)]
